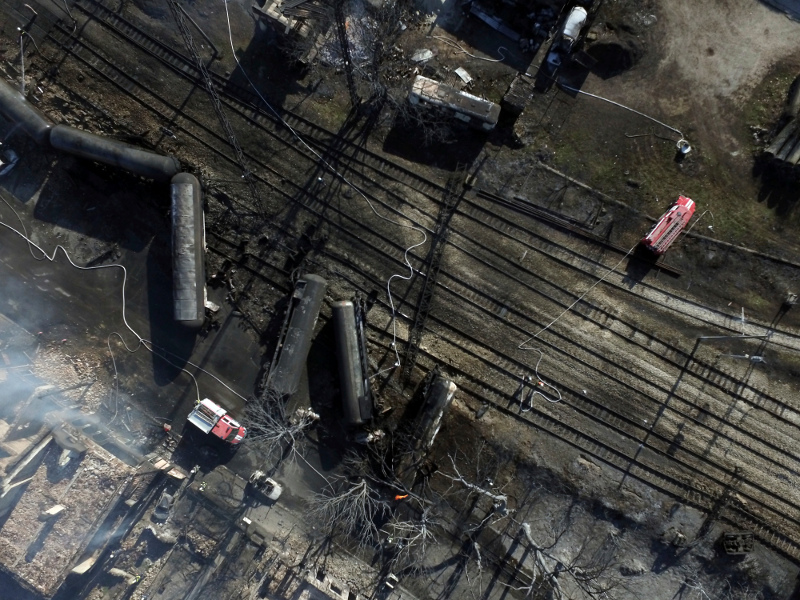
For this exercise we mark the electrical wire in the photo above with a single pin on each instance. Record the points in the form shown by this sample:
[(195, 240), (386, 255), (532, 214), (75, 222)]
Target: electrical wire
[(697, 220), (355, 188), (541, 382), (450, 42), (641, 114), (524, 345), (653, 133), (162, 353)]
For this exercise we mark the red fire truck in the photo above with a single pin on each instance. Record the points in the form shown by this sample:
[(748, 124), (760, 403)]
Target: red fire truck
[(669, 226), (210, 417)]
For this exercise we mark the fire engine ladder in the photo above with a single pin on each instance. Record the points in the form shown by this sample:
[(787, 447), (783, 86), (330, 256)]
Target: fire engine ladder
[(247, 175), (341, 30), (454, 190)]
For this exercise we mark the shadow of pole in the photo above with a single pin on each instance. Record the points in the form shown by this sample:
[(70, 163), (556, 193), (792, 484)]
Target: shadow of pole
[(674, 390), (661, 410)]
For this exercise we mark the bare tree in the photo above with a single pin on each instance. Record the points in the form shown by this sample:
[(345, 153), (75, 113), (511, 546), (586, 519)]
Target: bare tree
[(576, 572), (695, 587), (352, 507), (500, 500), (412, 538), (483, 464), (377, 38), (270, 429)]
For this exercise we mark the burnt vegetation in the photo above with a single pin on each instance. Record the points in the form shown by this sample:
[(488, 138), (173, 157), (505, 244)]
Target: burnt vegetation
[(377, 70)]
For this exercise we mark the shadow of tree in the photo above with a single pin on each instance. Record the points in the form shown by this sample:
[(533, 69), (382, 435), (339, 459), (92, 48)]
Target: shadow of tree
[(780, 185)]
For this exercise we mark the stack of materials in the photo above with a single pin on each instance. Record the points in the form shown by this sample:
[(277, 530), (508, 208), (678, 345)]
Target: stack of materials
[(785, 147)]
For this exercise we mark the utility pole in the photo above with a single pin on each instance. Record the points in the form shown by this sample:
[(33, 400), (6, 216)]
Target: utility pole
[(341, 31)]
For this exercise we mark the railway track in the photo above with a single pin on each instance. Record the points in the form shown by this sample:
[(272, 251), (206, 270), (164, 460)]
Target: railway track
[(247, 103), (625, 428), (698, 488), (246, 97), (571, 226), (393, 247)]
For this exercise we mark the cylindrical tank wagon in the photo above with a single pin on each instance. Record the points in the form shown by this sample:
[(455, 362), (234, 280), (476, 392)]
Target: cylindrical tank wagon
[(188, 229), (295, 340), (115, 153), (15, 108), (351, 357), (188, 250), (30, 119), (438, 398)]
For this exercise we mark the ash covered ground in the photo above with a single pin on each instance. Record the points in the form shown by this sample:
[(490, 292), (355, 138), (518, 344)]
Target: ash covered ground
[(715, 73)]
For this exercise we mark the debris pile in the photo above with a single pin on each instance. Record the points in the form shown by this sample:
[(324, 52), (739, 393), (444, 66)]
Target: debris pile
[(39, 548)]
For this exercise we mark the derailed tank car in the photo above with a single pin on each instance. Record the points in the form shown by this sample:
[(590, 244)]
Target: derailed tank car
[(476, 112), (438, 398), (351, 355), (439, 395), (295, 339), (16, 109), (188, 250), (115, 153)]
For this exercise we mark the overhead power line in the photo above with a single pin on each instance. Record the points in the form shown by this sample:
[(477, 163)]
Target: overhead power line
[(247, 175)]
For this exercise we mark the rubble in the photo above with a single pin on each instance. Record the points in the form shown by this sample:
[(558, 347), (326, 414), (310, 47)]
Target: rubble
[(41, 553)]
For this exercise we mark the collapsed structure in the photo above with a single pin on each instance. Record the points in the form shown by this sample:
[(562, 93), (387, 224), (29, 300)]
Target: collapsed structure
[(57, 490)]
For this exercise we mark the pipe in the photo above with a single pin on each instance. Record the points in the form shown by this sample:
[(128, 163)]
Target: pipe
[(115, 153), (787, 147), (794, 156), (781, 138), (16, 109)]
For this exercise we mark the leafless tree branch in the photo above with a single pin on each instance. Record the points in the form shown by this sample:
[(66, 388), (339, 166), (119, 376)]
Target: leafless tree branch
[(581, 576), (352, 508), (271, 429), (412, 539), (500, 501)]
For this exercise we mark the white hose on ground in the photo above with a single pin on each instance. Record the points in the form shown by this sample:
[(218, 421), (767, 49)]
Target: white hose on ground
[(641, 114), (524, 345), (140, 341), (450, 42)]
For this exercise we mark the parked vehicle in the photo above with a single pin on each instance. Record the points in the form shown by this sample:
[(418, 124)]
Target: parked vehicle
[(210, 418), (566, 39), (266, 485), (476, 112), (669, 226), (161, 512)]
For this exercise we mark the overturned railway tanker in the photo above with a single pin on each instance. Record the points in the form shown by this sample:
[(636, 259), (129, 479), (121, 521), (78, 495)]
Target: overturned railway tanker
[(351, 355), (188, 232), (188, 251), (294, 342)]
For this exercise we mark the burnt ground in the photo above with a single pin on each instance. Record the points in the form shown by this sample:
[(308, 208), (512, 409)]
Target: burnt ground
[(721, 82)]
